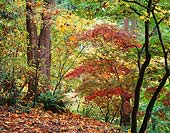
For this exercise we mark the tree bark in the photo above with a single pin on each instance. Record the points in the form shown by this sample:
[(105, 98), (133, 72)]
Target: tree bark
[(125, 113), (142, 72), (32, 46), (130, 25), (161, 84), (38, 47), (45, 42), (133, 26)]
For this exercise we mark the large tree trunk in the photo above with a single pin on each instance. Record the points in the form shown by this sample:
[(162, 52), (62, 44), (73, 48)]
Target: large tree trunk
[(45, 42), (32, 46), (126, 106), (38, 48)]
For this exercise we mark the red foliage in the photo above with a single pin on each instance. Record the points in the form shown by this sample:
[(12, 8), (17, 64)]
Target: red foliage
[(108, 93), (151, 90), (110, 34), (98, 65), (76, 72), (166, 102)]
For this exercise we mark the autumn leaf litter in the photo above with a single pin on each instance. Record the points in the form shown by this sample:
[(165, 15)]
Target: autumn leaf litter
[(40, 121)]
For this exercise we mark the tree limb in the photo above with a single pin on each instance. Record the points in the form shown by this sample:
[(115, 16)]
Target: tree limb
[(142, 72), (152, 102)]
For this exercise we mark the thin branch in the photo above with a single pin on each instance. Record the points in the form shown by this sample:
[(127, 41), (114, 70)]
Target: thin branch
[(138, 53), (101, 110), (161, 41), (150, 35), (61, 67), (74, 61), (136, 2), (136, 11), (118, 79), (117, 110), (23, 85), (162, 83), (152, 102), (62, 75), (47, 52), (155, 28)]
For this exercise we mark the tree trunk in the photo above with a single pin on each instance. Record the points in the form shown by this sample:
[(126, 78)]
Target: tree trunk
[(45, 43), (130, 25), (133, 26), (141, 72), (152, 102), (125, 112), (38, 48), (161, 84), (31, 46), (126, 24)]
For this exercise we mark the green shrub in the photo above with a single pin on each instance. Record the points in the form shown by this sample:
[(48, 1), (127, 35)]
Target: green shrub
[(8, 98), (9, 93), (53, 102)]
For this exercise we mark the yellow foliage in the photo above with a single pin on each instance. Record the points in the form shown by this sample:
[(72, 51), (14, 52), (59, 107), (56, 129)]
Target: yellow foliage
[(129, 131), (145, 17), (70, 23)]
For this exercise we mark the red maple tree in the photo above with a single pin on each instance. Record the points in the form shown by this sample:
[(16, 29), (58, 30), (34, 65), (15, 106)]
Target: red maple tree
[(106, 69)]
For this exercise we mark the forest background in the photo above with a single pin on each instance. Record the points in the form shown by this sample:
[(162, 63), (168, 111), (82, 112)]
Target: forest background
[(104, 59)]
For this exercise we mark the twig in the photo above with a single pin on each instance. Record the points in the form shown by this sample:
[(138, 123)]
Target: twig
[(160, 39), (62, 75), (136, 2), (133, 9)]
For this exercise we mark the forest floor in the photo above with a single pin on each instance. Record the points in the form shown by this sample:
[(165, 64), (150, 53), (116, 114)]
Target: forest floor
[(40, 121)]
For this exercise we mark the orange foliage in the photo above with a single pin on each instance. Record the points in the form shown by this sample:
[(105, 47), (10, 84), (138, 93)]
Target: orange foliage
[(39, 121)]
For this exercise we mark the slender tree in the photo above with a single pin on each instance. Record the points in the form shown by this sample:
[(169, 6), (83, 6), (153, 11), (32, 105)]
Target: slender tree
[(150, 9)]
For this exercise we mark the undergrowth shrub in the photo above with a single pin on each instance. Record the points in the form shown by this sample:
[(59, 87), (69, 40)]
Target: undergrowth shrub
[(53, 101), (9, 93)]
